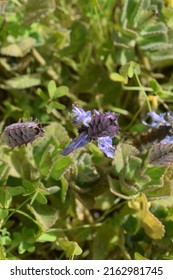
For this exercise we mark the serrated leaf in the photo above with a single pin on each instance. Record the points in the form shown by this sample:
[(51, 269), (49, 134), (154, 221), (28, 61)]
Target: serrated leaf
[(121, 154), (132, 167), (161, 154), (156, 28)]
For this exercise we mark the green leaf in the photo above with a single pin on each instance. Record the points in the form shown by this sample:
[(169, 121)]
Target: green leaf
[(139, 257), (152, 226), (118, 78), (39, 197), (42, 155), (49, 236), (22, 82), (57, 105), (71, 248), (64, 188), (86, 169), (87, 200), (46, 216), (3, 213), (52, 89), (60, 166), (33, 11), (122, 153), (18, 49), (61, 91), (43, 96), (7, 193), (161, 154)]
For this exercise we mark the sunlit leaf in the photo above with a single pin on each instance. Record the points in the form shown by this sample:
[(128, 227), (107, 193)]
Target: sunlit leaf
[(152, 226), (52, 89), (22, 82), (18, 49), (71, 248)]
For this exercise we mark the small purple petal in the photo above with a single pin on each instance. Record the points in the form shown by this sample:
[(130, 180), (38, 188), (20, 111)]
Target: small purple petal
[(105, 144), (81, 141), (170, 118), (81, 115), (157, 119), (167, 140)]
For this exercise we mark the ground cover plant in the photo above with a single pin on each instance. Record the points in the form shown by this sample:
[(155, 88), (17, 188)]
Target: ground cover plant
[(86, 119)]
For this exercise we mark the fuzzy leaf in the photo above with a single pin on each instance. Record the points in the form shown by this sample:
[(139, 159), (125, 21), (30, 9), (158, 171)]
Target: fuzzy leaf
[(33, 10), (22, 82), (18, 49), (161, 154), (121, 155)]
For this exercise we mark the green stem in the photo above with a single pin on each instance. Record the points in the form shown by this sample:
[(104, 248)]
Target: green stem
[(15, 210), (24, 214), (143, 91), (138, 88)]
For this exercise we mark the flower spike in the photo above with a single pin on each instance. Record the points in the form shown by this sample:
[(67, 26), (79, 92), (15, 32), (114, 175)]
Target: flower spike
[(99, 126)]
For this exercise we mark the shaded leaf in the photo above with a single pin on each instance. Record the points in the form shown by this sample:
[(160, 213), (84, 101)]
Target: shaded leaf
[(33, 11), (46, 216), (161, 154)]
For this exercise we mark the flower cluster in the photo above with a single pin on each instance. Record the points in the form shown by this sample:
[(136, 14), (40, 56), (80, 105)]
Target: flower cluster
[(20, 133), (99, 126)]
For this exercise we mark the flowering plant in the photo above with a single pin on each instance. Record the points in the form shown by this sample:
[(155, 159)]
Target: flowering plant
[(99, 126)]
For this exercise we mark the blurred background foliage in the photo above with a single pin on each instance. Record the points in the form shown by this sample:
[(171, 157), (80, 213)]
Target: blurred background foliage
[(109, 55)]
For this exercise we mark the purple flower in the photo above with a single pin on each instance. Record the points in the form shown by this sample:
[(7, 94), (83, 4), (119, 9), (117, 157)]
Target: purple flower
[(99, 126), (81, 115), (105, 144), (157, 119), (163, 119), (167, 140)]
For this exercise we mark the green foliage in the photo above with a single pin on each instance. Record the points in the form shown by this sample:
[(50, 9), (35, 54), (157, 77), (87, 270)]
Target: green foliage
[(106, 55)]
